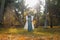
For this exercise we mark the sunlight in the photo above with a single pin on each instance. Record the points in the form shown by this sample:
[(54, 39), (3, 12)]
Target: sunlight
[(16, 1), (13, 30), (43, 2), (31, 3), (42, 8)]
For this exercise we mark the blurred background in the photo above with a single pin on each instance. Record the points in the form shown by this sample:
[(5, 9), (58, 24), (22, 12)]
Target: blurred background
[(13, 13)]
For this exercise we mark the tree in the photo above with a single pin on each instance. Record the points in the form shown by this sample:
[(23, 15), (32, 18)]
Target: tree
[(2, 11), (53, 9), (20, 6)]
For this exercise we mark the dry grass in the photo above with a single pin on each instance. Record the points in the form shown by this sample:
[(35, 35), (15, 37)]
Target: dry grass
[(37, 34)]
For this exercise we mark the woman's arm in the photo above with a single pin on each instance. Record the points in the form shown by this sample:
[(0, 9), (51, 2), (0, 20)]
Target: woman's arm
[(32, 18), (26, 18)]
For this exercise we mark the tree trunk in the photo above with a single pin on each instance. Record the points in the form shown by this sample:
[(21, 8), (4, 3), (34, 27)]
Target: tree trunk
[(51, 22), (2, 11)]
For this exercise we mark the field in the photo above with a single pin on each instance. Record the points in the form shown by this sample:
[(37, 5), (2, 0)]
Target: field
[(36, 34)]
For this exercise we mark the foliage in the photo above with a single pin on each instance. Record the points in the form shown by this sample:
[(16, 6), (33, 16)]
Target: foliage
[(10, 17), (53, 9)]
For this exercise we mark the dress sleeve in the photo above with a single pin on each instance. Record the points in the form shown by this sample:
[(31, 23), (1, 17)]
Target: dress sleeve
[(32, 18), (26, 17)]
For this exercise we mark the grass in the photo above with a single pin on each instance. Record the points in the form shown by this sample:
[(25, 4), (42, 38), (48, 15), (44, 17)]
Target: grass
[(36, 32)]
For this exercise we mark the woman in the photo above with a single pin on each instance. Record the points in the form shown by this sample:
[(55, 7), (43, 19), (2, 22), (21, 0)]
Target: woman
[(29, 23)]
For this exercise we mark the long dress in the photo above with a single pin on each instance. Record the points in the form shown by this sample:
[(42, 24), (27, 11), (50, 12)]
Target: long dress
[(29, 23)]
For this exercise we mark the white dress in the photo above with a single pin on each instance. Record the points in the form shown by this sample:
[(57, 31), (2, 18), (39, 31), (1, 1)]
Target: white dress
[(26, 24)]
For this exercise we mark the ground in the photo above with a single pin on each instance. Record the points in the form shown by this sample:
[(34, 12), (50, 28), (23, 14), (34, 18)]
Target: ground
[(37, 34)]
